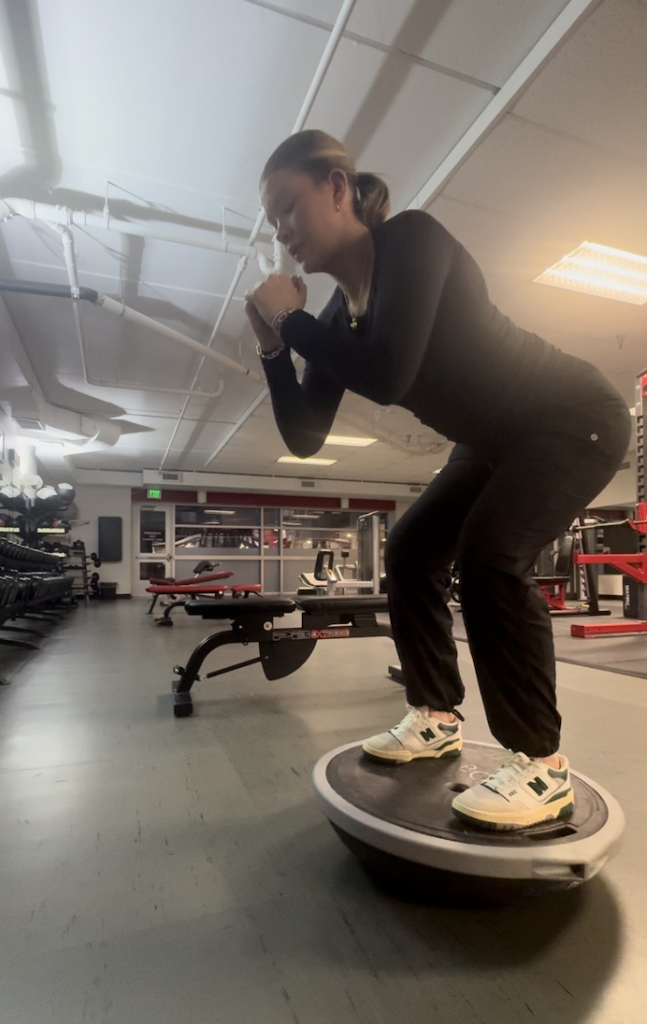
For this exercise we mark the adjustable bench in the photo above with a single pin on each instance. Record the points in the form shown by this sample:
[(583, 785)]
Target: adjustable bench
[(186, 589), (282, 649), (158, 587)]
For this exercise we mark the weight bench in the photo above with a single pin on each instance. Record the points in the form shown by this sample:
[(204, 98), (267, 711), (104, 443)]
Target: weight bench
[(197, 588), (155, 584), (281, 649)]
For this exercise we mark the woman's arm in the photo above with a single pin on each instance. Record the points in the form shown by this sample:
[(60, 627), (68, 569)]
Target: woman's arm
[(414, 255), (305, 411)]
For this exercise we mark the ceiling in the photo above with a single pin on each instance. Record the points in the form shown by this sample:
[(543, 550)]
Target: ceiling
[(522, 126)]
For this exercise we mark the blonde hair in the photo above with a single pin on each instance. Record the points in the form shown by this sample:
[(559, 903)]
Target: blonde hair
[(316, 153)]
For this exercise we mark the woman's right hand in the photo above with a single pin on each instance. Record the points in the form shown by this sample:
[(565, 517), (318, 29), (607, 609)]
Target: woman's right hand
[(267, 339)]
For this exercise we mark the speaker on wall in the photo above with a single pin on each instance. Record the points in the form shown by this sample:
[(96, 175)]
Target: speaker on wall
[(110, 544)]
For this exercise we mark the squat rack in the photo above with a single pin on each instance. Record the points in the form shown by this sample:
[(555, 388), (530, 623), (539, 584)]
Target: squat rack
[(632, 565)]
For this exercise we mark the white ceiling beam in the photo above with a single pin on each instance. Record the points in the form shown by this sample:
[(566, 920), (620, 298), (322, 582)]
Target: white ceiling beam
[(564, 25)]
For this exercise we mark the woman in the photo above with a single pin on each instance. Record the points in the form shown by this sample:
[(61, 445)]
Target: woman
[(538, 434)]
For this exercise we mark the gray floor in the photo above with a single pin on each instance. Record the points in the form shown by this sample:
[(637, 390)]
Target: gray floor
[(162, 871)]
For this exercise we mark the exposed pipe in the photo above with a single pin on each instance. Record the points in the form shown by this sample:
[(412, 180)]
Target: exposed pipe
[(63, 216), (72, 274), (242, 264), (306, 107), (112, 306), (95, 430)]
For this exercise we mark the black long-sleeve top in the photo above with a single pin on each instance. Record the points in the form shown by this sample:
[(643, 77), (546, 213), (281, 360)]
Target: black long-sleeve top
[(432, 342)]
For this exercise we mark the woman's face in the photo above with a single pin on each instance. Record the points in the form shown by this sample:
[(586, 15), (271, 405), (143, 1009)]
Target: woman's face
[(303, 215)]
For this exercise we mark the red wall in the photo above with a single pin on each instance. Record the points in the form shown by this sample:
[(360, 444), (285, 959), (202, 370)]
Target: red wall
[(272, 500)]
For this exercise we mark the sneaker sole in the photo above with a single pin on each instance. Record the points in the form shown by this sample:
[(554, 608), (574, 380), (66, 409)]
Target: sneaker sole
[(560, 809), (404, 756)]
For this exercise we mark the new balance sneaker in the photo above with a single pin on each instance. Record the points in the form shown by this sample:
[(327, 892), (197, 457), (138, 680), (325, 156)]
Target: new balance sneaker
[(523, 791), (417, 735)]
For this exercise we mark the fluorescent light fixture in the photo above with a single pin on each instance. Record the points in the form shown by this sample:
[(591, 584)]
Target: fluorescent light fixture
[(293, 460), (305, 515), (350, 442), (598, 270), (219, 512), (288, 522)]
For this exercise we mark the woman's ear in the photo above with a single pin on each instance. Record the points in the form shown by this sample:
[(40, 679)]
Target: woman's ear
[(339, 184)]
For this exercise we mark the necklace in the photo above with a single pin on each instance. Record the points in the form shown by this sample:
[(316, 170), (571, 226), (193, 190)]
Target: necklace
[(354, 316)]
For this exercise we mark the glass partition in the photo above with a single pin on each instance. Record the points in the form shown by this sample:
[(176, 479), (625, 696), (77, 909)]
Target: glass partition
[(203, 530), (266, 545), (306, 531)]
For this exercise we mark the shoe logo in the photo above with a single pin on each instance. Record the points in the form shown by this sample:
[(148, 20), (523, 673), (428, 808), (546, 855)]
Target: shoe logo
[(428, 734), (538, 786)]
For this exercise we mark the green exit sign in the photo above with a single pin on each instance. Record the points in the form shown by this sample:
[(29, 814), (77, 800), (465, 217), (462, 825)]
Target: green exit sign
[(154, 492)]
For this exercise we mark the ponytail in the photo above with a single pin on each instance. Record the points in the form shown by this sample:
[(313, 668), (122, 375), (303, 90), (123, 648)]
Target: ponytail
[(372, 205)]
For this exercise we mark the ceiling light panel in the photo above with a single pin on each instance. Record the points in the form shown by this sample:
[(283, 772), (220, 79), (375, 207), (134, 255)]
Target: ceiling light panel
[(599, 270), (350, 442), (293, 460)]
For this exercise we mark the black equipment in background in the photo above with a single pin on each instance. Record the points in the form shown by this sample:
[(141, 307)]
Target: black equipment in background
[(110, 538)]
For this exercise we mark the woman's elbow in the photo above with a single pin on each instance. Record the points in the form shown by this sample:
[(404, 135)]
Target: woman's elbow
[(304, 445)]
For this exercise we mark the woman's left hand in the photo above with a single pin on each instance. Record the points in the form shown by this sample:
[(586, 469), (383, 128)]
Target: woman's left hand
[(277, 292)]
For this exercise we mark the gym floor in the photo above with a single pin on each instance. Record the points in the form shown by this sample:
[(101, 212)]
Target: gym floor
[(158, 871)]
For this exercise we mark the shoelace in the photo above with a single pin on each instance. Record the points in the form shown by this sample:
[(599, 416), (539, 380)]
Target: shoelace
[(413, 718), (515, 764)]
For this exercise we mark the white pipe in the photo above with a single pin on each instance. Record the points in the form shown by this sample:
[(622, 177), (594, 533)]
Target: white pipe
[(111, 306), (324, 63), (63, 216), (59, 416), (72, 275), (306, 107), (242, 264)]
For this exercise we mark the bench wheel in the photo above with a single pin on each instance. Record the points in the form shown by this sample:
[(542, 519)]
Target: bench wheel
[(164, 622)]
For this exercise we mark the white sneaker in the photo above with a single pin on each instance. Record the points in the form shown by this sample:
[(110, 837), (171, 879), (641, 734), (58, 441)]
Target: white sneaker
[(417, 735), (523, 791)]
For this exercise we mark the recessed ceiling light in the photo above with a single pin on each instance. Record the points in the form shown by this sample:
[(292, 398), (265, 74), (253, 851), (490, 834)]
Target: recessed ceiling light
[(350, 442), (309, 462), (598, 270)]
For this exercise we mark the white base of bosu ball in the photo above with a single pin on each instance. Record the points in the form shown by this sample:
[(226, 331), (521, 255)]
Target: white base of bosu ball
[(397, 819)]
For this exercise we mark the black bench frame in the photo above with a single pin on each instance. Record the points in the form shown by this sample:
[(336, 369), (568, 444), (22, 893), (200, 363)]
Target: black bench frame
[(282, 650)]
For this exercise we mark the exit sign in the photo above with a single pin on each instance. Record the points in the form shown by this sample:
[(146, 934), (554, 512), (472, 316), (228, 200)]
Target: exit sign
[(154, 492)]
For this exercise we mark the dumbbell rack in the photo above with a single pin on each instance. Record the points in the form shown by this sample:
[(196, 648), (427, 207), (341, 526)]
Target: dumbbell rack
[(76, 566)]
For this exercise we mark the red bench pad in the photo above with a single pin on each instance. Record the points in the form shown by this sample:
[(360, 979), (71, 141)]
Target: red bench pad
[(175, 588), (203, 578), (245, 588)]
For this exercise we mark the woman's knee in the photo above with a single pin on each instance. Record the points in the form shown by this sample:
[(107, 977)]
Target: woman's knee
[(410, 551)]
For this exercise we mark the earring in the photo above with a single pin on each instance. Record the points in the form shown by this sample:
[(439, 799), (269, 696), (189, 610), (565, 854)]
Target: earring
[(337, 207)]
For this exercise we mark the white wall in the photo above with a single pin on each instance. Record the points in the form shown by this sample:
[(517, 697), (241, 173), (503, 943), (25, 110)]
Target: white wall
[(93, 501), (622, 489)]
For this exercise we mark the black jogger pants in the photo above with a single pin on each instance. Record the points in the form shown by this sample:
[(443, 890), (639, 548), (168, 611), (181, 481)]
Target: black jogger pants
[(495, 514)]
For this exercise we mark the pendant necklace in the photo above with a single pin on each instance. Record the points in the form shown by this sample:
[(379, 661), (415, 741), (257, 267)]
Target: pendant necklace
[(354, 316)]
